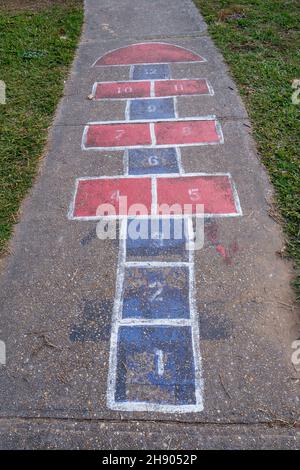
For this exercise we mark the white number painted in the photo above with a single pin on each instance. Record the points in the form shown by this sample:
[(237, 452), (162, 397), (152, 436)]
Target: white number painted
[(194, 194), (186, 130), (151, 108)]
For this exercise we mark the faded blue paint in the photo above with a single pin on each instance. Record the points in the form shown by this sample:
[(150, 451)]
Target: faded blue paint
[(156, 292), (152, 161), (139, 378), (152, 108), (156, 237), (151, 72)]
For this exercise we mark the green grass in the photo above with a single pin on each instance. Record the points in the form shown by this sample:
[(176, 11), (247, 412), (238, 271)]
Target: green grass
[(261, 45), (36, 50)]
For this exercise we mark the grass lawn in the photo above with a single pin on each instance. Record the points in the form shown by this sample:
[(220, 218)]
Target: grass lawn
[(38, 40), (261, 44)]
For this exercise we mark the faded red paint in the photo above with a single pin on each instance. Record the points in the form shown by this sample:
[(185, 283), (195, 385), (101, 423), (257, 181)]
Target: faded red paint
[(92, 193), (214, 192), (186, 132), (122, 90), (180, 87), (148, 53), (117, 135)]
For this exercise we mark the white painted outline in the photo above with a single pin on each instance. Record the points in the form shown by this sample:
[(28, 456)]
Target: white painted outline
[(152, 89), (152, 121), (149, 63), (126, 162), (175, 104), (154, 195), (94, 89), (147, 216), (154, 178), (177, 157), (84, 136), (118, 322), (160, 364), (72, 204)]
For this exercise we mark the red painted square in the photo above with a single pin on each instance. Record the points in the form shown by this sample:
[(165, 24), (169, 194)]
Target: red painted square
[(214, 192), (186, 132), (117, 90), (181, 87), (92, 193), (117, 135)]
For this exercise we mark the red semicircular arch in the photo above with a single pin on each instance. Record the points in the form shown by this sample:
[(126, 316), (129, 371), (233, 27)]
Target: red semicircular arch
[(148, 53)]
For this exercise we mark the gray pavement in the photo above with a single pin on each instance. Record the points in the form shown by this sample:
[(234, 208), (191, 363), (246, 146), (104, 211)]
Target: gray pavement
[(61, 278)]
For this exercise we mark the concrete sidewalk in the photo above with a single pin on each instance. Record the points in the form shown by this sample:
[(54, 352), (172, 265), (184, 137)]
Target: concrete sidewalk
[(59, 287)]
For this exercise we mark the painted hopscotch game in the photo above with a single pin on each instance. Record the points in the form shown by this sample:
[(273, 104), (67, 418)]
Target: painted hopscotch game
[(155, 358)]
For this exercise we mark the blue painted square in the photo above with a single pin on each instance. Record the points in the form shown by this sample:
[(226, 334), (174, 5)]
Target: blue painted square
[(155, 364), (151, 72), (152, 108), (156, 292), (153, 161), (155, 237)]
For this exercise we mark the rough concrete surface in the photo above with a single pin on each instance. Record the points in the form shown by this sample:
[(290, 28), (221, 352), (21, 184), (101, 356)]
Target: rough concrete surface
[(60, 279)]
